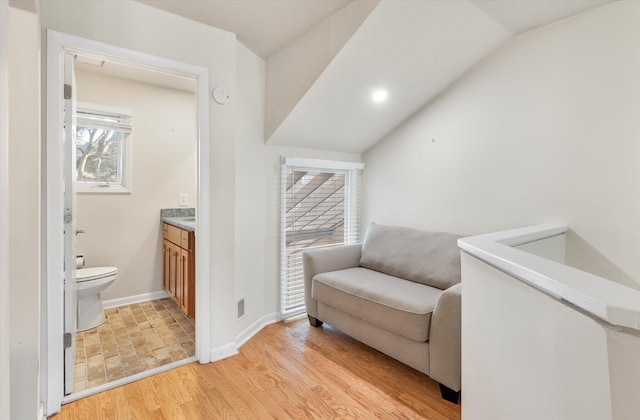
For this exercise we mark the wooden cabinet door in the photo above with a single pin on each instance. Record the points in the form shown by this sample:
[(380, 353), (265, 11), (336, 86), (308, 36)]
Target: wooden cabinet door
[(165, 265), (178, 270), (184, 281), (179, 277), (174, 256), (190, 281)]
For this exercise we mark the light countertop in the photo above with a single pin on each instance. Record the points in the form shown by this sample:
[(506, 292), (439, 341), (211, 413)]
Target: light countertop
[(187, 223), (184, 218)]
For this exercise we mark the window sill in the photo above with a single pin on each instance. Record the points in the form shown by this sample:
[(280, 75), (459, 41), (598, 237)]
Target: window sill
[(102, 189)]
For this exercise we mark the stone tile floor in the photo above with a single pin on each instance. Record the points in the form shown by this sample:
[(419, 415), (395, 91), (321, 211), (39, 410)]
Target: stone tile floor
[(135, 338)]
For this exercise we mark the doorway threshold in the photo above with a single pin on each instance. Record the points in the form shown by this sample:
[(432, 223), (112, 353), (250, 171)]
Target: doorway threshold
[(127, 380)]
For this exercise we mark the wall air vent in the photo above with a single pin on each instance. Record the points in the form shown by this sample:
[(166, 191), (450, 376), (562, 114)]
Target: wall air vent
[(240, 308)]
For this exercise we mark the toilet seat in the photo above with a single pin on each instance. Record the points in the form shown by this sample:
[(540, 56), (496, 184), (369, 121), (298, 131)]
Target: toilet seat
[(94, 273)]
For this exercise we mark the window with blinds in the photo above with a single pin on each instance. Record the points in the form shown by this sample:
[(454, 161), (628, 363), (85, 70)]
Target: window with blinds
[(320, 208), (103, 150)]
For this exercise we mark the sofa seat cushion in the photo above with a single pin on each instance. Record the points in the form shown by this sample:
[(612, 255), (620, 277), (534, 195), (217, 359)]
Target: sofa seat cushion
[(397, 305)]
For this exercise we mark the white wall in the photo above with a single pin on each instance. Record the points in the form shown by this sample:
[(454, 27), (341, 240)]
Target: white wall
[(543, 130), (24, 212), (245, 172), (250, 196), (258, 195), (124, 230), (146, 29), (5, 358)]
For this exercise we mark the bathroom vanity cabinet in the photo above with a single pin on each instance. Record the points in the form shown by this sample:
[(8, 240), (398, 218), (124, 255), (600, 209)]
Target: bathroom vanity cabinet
[(178, 272)]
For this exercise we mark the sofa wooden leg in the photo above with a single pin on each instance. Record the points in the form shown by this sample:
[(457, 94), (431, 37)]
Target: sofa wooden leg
[(449, 394), (315, 322)]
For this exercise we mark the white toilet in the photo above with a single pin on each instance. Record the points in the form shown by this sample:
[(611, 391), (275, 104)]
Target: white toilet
[(90, 282)]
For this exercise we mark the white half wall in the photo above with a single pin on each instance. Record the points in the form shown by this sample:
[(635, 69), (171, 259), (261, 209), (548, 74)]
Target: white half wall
[(540, 339), (515, 365), (124, 230), (545, 129)]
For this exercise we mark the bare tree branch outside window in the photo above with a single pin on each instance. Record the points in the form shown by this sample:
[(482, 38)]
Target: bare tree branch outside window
[(100, 147)]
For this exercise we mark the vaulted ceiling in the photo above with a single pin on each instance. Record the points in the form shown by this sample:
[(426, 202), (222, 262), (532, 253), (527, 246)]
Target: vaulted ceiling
[(264, 26), (326, 58)]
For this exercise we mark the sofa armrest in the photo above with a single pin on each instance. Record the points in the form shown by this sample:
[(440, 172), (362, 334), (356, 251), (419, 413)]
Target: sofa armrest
[(324, 260), (445, 339)]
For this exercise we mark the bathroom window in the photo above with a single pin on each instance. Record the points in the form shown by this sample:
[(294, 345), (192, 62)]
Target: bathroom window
[(103, 149), (319, 208)]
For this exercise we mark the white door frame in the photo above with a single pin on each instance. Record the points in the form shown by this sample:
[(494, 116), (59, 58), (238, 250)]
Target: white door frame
[(52, 367), (4, 213), (70, 287)]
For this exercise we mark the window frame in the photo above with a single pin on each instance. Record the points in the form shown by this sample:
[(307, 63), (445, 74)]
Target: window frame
[(352, 172), (126, 164)]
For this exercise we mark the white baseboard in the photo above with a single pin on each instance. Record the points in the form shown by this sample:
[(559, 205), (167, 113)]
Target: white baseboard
[(129, 300), (223, 352), (231, 349), (255, 328)]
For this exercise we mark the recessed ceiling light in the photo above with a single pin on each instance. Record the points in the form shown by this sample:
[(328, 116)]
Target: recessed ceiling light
[(379, 95)]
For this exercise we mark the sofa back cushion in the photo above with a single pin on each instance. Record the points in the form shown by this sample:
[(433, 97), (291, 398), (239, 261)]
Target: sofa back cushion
[(430, 258)]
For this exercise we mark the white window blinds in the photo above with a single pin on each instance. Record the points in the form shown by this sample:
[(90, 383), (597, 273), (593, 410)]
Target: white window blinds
[(319, 208), (105, 120)]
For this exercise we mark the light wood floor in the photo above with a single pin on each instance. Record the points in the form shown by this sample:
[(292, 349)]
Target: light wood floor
[(287, 371)]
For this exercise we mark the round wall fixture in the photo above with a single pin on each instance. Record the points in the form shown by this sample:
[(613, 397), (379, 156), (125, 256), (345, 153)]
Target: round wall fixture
[(221, 95)]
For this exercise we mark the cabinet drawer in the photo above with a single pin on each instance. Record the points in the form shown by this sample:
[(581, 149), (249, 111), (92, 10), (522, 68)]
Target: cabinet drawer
[(184, 239), (173, 234), (178, 236)]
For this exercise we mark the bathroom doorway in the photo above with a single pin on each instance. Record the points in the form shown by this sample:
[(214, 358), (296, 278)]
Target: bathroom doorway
[(117, 211), (135, 137)]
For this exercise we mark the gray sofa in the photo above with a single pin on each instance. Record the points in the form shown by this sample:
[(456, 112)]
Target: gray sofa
[(398, 292)]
